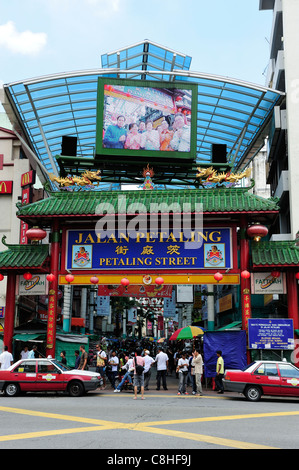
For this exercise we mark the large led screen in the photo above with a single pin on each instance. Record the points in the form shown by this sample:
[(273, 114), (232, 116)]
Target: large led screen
[(146, 118)]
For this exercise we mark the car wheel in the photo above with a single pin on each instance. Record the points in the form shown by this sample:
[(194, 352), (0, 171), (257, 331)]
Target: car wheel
[(76, 389), (253, 393), (11, 390)]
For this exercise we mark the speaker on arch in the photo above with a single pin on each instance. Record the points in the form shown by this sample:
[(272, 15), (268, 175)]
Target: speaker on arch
[(69, 146), (218, 153)]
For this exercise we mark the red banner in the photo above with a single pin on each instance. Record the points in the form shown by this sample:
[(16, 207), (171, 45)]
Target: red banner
[(160, 322), (137, 291)]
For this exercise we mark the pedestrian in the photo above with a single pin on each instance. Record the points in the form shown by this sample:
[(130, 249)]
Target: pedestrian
[(101, 358), (77, 360), (129, 368), (84, 358), (138, 365), (114, 363), (219, 372), (33, 353), (183, 365), (24, 353), (197, 363), (149, 361), (162, 366), (6, 359), (63, 358)]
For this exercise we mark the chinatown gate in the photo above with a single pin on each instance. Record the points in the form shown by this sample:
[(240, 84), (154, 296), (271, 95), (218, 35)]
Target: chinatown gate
[(191, 136), (171, 237)]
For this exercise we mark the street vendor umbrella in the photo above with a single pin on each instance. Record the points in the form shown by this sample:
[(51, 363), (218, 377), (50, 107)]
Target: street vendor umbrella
[(187, 332), (161, 340)]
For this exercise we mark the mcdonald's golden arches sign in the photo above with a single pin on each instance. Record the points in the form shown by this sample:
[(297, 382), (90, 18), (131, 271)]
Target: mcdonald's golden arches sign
[(5, 187), (28, 178)]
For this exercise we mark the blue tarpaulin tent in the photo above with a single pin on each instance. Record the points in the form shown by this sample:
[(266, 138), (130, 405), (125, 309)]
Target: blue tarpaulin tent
[(233, 347)]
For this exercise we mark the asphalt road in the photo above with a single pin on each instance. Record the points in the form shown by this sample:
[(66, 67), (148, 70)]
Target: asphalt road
[(163, 423)]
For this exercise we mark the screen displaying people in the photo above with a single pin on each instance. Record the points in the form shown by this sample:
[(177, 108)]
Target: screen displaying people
[(147, 118)]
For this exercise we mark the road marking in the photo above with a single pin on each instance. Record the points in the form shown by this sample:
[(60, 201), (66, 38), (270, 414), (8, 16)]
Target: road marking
[(148, 427)]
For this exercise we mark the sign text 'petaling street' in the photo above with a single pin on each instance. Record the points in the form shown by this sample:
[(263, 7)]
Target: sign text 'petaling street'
[(206, 249)]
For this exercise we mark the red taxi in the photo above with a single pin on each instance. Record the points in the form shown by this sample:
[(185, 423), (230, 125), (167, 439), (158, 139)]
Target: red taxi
[(46, 375), (264, 378)]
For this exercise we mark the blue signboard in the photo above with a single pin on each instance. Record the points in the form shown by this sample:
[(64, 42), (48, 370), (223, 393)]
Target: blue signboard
[(270, 333), (206, 249)]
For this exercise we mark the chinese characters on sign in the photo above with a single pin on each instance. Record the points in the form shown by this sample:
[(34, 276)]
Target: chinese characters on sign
[(150, 250)]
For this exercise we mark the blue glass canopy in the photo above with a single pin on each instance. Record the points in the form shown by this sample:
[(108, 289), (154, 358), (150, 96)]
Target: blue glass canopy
[(229, 111)]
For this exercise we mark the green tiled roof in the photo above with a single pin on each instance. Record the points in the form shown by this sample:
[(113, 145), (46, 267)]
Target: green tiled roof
[(85, 202), (276, 253), (23, 256)]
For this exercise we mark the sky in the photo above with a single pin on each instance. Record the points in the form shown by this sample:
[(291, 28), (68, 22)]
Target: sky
[(38, 37)]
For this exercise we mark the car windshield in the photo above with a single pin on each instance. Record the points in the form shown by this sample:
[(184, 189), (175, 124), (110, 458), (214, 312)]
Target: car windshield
[(249, 367), (61, 366)]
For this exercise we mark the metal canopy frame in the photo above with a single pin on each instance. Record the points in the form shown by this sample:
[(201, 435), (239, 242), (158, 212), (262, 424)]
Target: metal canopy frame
[(229, 111)]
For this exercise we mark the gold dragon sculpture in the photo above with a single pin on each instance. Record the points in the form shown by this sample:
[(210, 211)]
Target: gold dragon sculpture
[(210, 175), (85, 179)]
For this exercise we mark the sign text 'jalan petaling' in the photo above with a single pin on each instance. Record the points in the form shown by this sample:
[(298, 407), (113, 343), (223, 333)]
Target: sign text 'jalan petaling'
[(206, 249)]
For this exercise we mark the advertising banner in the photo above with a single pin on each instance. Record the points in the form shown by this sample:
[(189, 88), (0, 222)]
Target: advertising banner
[(270, 333), (206, 249), (37, 285), (138, 291), (132, 315), (103, 306), (169, 306), (265, 283)]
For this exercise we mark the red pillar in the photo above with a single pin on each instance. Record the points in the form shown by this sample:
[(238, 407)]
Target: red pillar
[(245, 283), (292, 299), (53, 289), (10, 307)]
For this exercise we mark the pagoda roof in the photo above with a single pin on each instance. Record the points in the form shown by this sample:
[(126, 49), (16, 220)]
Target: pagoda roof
[(93, 204), (24, 257), (275, 254)]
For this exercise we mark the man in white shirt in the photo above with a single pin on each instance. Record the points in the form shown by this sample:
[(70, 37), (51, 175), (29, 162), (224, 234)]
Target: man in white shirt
[(162, 366), (24, 353), (114, 362), (148, 360), (6, 359)]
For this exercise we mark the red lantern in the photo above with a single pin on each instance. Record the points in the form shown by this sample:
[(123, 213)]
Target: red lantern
[(245, 274), (159, 280), (36, 234), (178, 98), (69, 278), (27, 276), (297, 275), (257, 231), (218, 277), (125, 282), (94, 280), (275, 274), (51, 277), (1, 277)]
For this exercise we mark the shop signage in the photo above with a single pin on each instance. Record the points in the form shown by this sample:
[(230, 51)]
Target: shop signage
[(169, 308), (28, 178), (270, 333), (207, 249), (103, 306), (26, 199), (138, 291), (265, 283), (37, 285), (6, 187)]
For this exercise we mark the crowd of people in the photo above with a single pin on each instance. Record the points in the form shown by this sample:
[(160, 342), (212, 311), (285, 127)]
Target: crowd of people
[(134, 363), (166, 137), (135, 366)]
